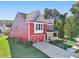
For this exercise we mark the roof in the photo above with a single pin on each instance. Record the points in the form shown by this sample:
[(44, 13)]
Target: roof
[(32, 17), (52, 31), (50, 21), (23, 15)]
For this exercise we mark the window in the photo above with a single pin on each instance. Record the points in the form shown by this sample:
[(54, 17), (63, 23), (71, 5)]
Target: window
[(49, 27), (55, 34), (36, 26), (39, 27)]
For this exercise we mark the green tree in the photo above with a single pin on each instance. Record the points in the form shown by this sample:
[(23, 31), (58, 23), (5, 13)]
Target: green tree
[(59, 25), (50, 13), (75, 8), (71, 27), (75, 11), (8, 23)]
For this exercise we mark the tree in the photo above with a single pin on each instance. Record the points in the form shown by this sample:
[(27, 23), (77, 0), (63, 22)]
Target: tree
[(75, 8), (8, 23), (59, 25), (75, 11), (50, 13), (71, 29)]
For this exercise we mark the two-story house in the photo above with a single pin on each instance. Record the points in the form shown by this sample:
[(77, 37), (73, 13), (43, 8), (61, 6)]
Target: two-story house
[(52, 34), (29, 27)]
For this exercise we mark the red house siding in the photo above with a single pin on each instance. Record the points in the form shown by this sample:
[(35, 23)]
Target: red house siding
[(24, 29), (38, 37), (31, 28), (45, 28)]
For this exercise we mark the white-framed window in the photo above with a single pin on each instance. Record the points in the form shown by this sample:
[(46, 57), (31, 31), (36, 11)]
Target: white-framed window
[(38, 27), (50, 27), (41, 27)]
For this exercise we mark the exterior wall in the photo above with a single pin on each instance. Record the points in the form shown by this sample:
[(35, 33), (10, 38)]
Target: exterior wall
[(50, 36), (25, 30), (19, 28), (37, 37), (38, 31), (50, 26)]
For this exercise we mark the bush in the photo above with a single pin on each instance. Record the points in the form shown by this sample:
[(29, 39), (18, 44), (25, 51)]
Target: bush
[(50, 41), (28, 43), (77, 51), (20, 41), (60, 43), (71, 39)]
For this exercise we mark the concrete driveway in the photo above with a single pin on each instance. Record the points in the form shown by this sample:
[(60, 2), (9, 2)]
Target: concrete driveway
[(52, 50)]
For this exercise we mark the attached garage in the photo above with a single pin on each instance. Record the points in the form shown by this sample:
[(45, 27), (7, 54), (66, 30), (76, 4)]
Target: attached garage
[(38, 38)]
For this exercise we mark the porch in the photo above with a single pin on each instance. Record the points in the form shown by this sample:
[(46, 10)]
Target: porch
[(52, 35)]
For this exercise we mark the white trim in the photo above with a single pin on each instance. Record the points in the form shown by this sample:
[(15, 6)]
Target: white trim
[(36, 22), (38, 31)]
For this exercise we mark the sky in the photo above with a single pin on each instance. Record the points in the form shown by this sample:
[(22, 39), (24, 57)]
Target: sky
[(9, 9)]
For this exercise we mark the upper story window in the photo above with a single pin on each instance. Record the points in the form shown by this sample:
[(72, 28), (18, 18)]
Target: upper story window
[(50, 27), (36, 26), (39, 27)]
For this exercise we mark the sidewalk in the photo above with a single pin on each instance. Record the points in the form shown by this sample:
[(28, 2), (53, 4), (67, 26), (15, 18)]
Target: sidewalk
[(52, 51)]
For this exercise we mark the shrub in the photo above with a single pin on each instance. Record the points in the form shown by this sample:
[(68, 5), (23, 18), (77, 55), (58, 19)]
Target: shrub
[(60, 43), (71, 39), (50, 41), (77, 51), (28, 43), (19, 41)]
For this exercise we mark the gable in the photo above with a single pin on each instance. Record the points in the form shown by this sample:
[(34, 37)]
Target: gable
[(40, 19)]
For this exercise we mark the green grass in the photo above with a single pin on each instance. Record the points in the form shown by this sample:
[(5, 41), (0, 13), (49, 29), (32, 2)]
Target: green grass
[(4, 47), (19, 51)]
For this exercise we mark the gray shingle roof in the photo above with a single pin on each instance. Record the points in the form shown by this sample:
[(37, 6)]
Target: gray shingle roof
[(23, 15), (50, 21), (32, 16)]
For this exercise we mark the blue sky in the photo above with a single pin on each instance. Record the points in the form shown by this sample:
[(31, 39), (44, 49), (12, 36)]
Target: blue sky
[(9, 9)]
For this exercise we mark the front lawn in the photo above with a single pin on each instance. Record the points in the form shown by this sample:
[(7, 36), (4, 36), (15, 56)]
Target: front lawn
[(4, 47), (19, 51)]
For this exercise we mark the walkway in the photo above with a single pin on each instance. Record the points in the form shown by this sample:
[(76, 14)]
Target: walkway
[(52, 50)]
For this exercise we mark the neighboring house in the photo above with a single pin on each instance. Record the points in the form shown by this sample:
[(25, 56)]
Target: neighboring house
[(3, 27), (52, 34), (28, 27)]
